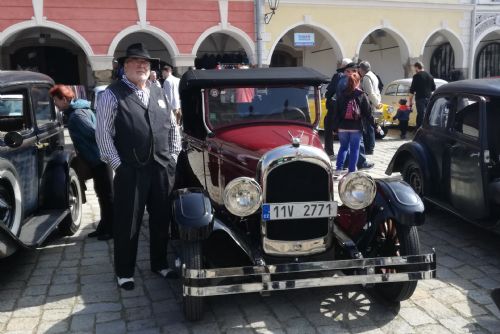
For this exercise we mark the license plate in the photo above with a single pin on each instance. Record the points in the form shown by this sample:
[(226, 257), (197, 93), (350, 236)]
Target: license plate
[(298, 210)]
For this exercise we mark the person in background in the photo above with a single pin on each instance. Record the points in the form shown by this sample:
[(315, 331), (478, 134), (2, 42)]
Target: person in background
[(81, 127), (137, 136), (369, 84), (171, 88), (421, 89), (352, 110), (330, 96), (153, 79), (403, 116)]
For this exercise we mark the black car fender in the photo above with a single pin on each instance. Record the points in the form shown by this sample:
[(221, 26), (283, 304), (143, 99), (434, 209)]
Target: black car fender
[(192, 213), (417, 152), (54, 192), (395, 199)]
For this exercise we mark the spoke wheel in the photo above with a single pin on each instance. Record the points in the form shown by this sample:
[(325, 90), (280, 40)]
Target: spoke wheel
[(396, 240)]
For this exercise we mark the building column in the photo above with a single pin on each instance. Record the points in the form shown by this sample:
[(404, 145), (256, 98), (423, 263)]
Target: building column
[(102, 69)]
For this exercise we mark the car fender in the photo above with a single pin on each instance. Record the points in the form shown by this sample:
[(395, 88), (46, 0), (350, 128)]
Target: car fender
[(192, 213), (395, 199), (417, 152)]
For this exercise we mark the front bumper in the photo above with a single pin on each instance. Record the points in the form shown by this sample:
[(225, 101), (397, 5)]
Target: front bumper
[(267, 278)]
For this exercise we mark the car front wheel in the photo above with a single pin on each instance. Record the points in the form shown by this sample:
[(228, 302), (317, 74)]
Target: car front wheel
[(192, 258), (72, 222), (412, 174), (396, 240)]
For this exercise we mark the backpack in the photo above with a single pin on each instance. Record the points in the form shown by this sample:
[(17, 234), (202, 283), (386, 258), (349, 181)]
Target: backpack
[(352, 111), (380, 84)]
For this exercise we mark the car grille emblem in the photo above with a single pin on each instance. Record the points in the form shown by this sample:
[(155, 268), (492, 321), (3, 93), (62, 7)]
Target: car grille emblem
[(296, 139)]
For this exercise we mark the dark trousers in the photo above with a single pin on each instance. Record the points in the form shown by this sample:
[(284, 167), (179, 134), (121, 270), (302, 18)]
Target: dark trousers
[(329, 132), (421, 104), (369, 138), (403, 127), (136, 188), (102, 175)]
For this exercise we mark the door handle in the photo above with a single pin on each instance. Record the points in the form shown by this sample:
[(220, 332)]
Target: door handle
[(41, 145)]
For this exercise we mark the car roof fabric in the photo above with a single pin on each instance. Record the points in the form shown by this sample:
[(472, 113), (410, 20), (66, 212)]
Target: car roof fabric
[(8, 78), (490, 87), (249, 77)]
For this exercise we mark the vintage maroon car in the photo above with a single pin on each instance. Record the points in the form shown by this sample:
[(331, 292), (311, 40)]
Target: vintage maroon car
[(255, 208)]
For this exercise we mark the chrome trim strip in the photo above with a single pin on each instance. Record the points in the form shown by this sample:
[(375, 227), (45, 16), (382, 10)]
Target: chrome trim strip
[(310, 266), (307, 283), (296, 248)]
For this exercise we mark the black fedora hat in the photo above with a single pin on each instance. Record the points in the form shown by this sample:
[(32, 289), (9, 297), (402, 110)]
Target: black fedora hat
[(138, 50)]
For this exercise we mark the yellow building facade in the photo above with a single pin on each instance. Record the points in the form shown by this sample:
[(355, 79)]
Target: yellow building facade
[(447, 36)]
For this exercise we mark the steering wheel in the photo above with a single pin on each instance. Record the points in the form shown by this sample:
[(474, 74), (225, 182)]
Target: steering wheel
[(295, 112)]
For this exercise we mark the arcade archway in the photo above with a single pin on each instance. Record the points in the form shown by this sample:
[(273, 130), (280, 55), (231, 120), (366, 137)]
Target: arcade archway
[(487, 59), (220, 49), (47, 51)]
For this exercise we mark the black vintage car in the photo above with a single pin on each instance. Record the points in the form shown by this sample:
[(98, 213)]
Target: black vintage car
[(454, 160), (255, 209), (39, 191)]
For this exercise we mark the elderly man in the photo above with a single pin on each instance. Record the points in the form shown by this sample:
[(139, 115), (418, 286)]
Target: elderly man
[(137, 136), (369, 84)]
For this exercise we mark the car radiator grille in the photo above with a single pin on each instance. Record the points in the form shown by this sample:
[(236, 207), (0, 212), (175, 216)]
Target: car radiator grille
[(297, 182)]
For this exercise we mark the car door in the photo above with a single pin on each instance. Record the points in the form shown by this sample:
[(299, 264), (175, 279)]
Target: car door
[(49, 137), (15, 116), (466, 153)]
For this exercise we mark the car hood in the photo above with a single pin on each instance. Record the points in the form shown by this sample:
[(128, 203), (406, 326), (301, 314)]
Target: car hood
[(245, 146)]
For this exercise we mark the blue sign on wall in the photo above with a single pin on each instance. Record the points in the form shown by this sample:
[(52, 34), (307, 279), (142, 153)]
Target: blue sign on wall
[(303, 39)]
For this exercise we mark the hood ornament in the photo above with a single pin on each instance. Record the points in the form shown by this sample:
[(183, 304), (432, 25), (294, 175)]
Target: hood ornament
[(296, 139)]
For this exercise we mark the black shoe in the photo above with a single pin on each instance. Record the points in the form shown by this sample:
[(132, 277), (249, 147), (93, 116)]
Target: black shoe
[(167, 273), (104, 236), (126, 283), (367, 165)]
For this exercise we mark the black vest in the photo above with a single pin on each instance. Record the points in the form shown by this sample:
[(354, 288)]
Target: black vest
[(141, 134)]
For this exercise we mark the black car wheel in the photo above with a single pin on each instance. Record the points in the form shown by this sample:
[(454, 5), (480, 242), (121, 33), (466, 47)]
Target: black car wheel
[(396, 240), (192, 258), (412, 174), (72, 222), (7, 206)]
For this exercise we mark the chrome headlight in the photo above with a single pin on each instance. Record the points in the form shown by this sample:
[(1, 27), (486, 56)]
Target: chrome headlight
[(357, 190), (242, 196)]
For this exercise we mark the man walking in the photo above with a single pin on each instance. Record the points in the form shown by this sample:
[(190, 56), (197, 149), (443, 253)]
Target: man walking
[(421, 89), (137, 136), (171, 88), (369, 84)]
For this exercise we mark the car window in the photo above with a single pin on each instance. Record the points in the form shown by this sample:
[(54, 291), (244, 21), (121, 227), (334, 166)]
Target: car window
[(466, 119), (14, 111), (227, 106), (391, 90), (403, 90), (42, 106), (492, 121), (439, 113)]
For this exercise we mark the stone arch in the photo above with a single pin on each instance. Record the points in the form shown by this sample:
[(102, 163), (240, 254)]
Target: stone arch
[(456, 44), (486, 42), (327, 33), (239, 35), (384, 63), (73, 34), (165, 38)]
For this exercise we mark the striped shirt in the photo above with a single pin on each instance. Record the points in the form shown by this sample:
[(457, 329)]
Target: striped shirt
[(107, 107)]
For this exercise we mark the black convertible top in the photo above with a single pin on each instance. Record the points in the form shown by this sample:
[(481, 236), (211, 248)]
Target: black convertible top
[(255, 76), (489, 87), (8, 78)]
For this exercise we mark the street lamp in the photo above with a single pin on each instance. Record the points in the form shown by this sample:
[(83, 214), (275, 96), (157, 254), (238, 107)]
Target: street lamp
[(273, 6)]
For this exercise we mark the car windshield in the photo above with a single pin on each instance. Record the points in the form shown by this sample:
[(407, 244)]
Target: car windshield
[(237, 105)]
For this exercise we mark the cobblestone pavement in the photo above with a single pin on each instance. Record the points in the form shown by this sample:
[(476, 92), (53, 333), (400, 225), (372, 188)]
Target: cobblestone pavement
[(69, 286)]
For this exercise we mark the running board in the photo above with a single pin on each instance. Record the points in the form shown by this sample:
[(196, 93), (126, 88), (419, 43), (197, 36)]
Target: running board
[(37, 228)]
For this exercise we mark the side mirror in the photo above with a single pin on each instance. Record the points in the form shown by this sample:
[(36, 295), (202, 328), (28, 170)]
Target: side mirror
[(13, 139)]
